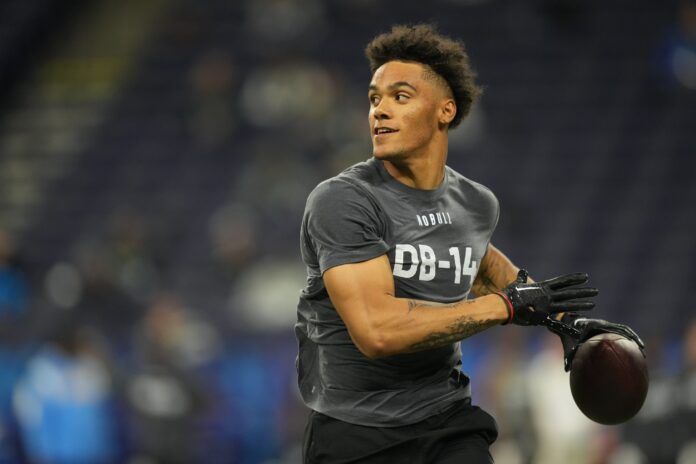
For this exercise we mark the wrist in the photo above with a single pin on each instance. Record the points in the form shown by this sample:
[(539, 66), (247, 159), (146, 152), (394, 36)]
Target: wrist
[(509, 308)]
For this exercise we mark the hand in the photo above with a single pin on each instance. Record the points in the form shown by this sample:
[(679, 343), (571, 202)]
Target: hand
[(533, 303), (588, 328)]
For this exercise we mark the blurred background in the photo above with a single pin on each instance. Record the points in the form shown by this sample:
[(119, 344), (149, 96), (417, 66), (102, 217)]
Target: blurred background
[(155, 157)]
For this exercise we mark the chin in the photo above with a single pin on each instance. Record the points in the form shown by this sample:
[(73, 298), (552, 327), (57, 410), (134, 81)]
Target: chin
[(388, 155)]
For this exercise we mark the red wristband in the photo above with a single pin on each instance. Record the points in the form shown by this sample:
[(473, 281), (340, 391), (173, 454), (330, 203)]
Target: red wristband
[(508, 304)]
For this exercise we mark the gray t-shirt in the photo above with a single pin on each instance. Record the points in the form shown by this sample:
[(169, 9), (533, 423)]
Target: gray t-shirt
[(435, 240)]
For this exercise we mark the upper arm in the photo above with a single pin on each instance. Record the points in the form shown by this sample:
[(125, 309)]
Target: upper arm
[(357, 291), (342, 225), (343, 235)]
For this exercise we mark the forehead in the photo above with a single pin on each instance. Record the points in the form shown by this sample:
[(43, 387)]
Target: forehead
[(397, 71)]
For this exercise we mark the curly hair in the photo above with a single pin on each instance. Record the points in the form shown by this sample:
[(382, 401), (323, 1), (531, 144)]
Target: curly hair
[(422, 44)]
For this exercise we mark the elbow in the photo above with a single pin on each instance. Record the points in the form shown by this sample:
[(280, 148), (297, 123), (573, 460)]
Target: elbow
[(372, 350), (376, 334), (374, 346)]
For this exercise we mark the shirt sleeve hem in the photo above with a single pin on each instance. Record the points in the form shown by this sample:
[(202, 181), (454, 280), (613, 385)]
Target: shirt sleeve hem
[(364, 254)]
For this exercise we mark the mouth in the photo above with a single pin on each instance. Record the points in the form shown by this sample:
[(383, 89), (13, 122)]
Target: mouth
[(383, 131)]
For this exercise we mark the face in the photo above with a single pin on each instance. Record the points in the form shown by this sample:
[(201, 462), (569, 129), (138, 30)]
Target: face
[(408, 107)]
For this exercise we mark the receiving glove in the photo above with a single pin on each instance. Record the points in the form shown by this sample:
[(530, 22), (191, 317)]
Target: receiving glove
[(534, 303), (588, 328)]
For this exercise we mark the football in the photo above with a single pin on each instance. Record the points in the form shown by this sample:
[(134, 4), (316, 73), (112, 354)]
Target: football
[(609, 378)]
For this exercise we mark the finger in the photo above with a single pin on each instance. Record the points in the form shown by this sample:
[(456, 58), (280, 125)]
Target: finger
[(559, 327), (565, 306), (566, 280), (630, 333), (536, 317), (522, 276), (574, 293), (639, 341), (623, 330)]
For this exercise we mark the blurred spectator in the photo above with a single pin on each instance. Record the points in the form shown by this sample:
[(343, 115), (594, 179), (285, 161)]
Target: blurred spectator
[(256, 397), (664, 429), (504, 392), (288, 93), (135, 265), (64, 403), (259, 300), (214, 118), (233, 234), (14, 332), (272, 191), (564, 434), (119, 269), (280, 21), (102, 301), (163, 394), (14, 291)]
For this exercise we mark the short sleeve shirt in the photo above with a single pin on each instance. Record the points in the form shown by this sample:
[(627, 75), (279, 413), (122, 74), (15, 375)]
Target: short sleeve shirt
[(435, 240)]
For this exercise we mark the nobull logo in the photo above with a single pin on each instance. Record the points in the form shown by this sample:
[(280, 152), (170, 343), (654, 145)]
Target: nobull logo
[(434, 219)]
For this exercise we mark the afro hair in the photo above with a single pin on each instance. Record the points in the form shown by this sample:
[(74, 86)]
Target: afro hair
[(423, 44)]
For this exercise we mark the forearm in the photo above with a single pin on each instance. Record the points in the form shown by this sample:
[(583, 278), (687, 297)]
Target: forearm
[(381, 324), (408, 325), (495, 273)]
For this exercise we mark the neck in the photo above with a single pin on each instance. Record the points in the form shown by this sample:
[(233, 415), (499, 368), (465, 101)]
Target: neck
[(424, 172)]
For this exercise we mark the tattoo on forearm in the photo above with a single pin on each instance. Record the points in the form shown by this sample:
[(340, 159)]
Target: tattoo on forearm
[(493, 276), (463, 327), (413, 304), (484, 285)]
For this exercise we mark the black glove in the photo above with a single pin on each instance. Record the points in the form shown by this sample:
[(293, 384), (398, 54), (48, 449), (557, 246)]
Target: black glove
[(588, 328), (534, 303)]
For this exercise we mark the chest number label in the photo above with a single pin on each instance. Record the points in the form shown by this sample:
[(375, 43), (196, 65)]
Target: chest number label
[(409, 261)]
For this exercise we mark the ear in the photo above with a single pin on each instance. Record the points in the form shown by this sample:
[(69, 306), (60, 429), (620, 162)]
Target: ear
[(447, 112)]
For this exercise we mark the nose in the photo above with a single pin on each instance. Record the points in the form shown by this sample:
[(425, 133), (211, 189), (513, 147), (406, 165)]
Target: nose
[(381, 111)]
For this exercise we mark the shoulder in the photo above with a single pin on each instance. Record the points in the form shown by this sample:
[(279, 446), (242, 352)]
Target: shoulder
[(353, 184), (472, 188), (332, 193), (342, 221)]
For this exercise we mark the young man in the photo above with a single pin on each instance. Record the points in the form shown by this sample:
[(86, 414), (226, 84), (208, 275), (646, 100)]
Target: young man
[(393, 246)]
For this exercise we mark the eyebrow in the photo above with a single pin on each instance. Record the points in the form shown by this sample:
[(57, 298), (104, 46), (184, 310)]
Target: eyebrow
[(395, 85)]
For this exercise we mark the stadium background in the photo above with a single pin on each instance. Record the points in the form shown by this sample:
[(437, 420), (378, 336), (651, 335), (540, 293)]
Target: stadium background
[(154, 161)]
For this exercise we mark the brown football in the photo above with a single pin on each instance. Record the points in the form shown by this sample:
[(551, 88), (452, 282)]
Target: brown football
[(609, 378)]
